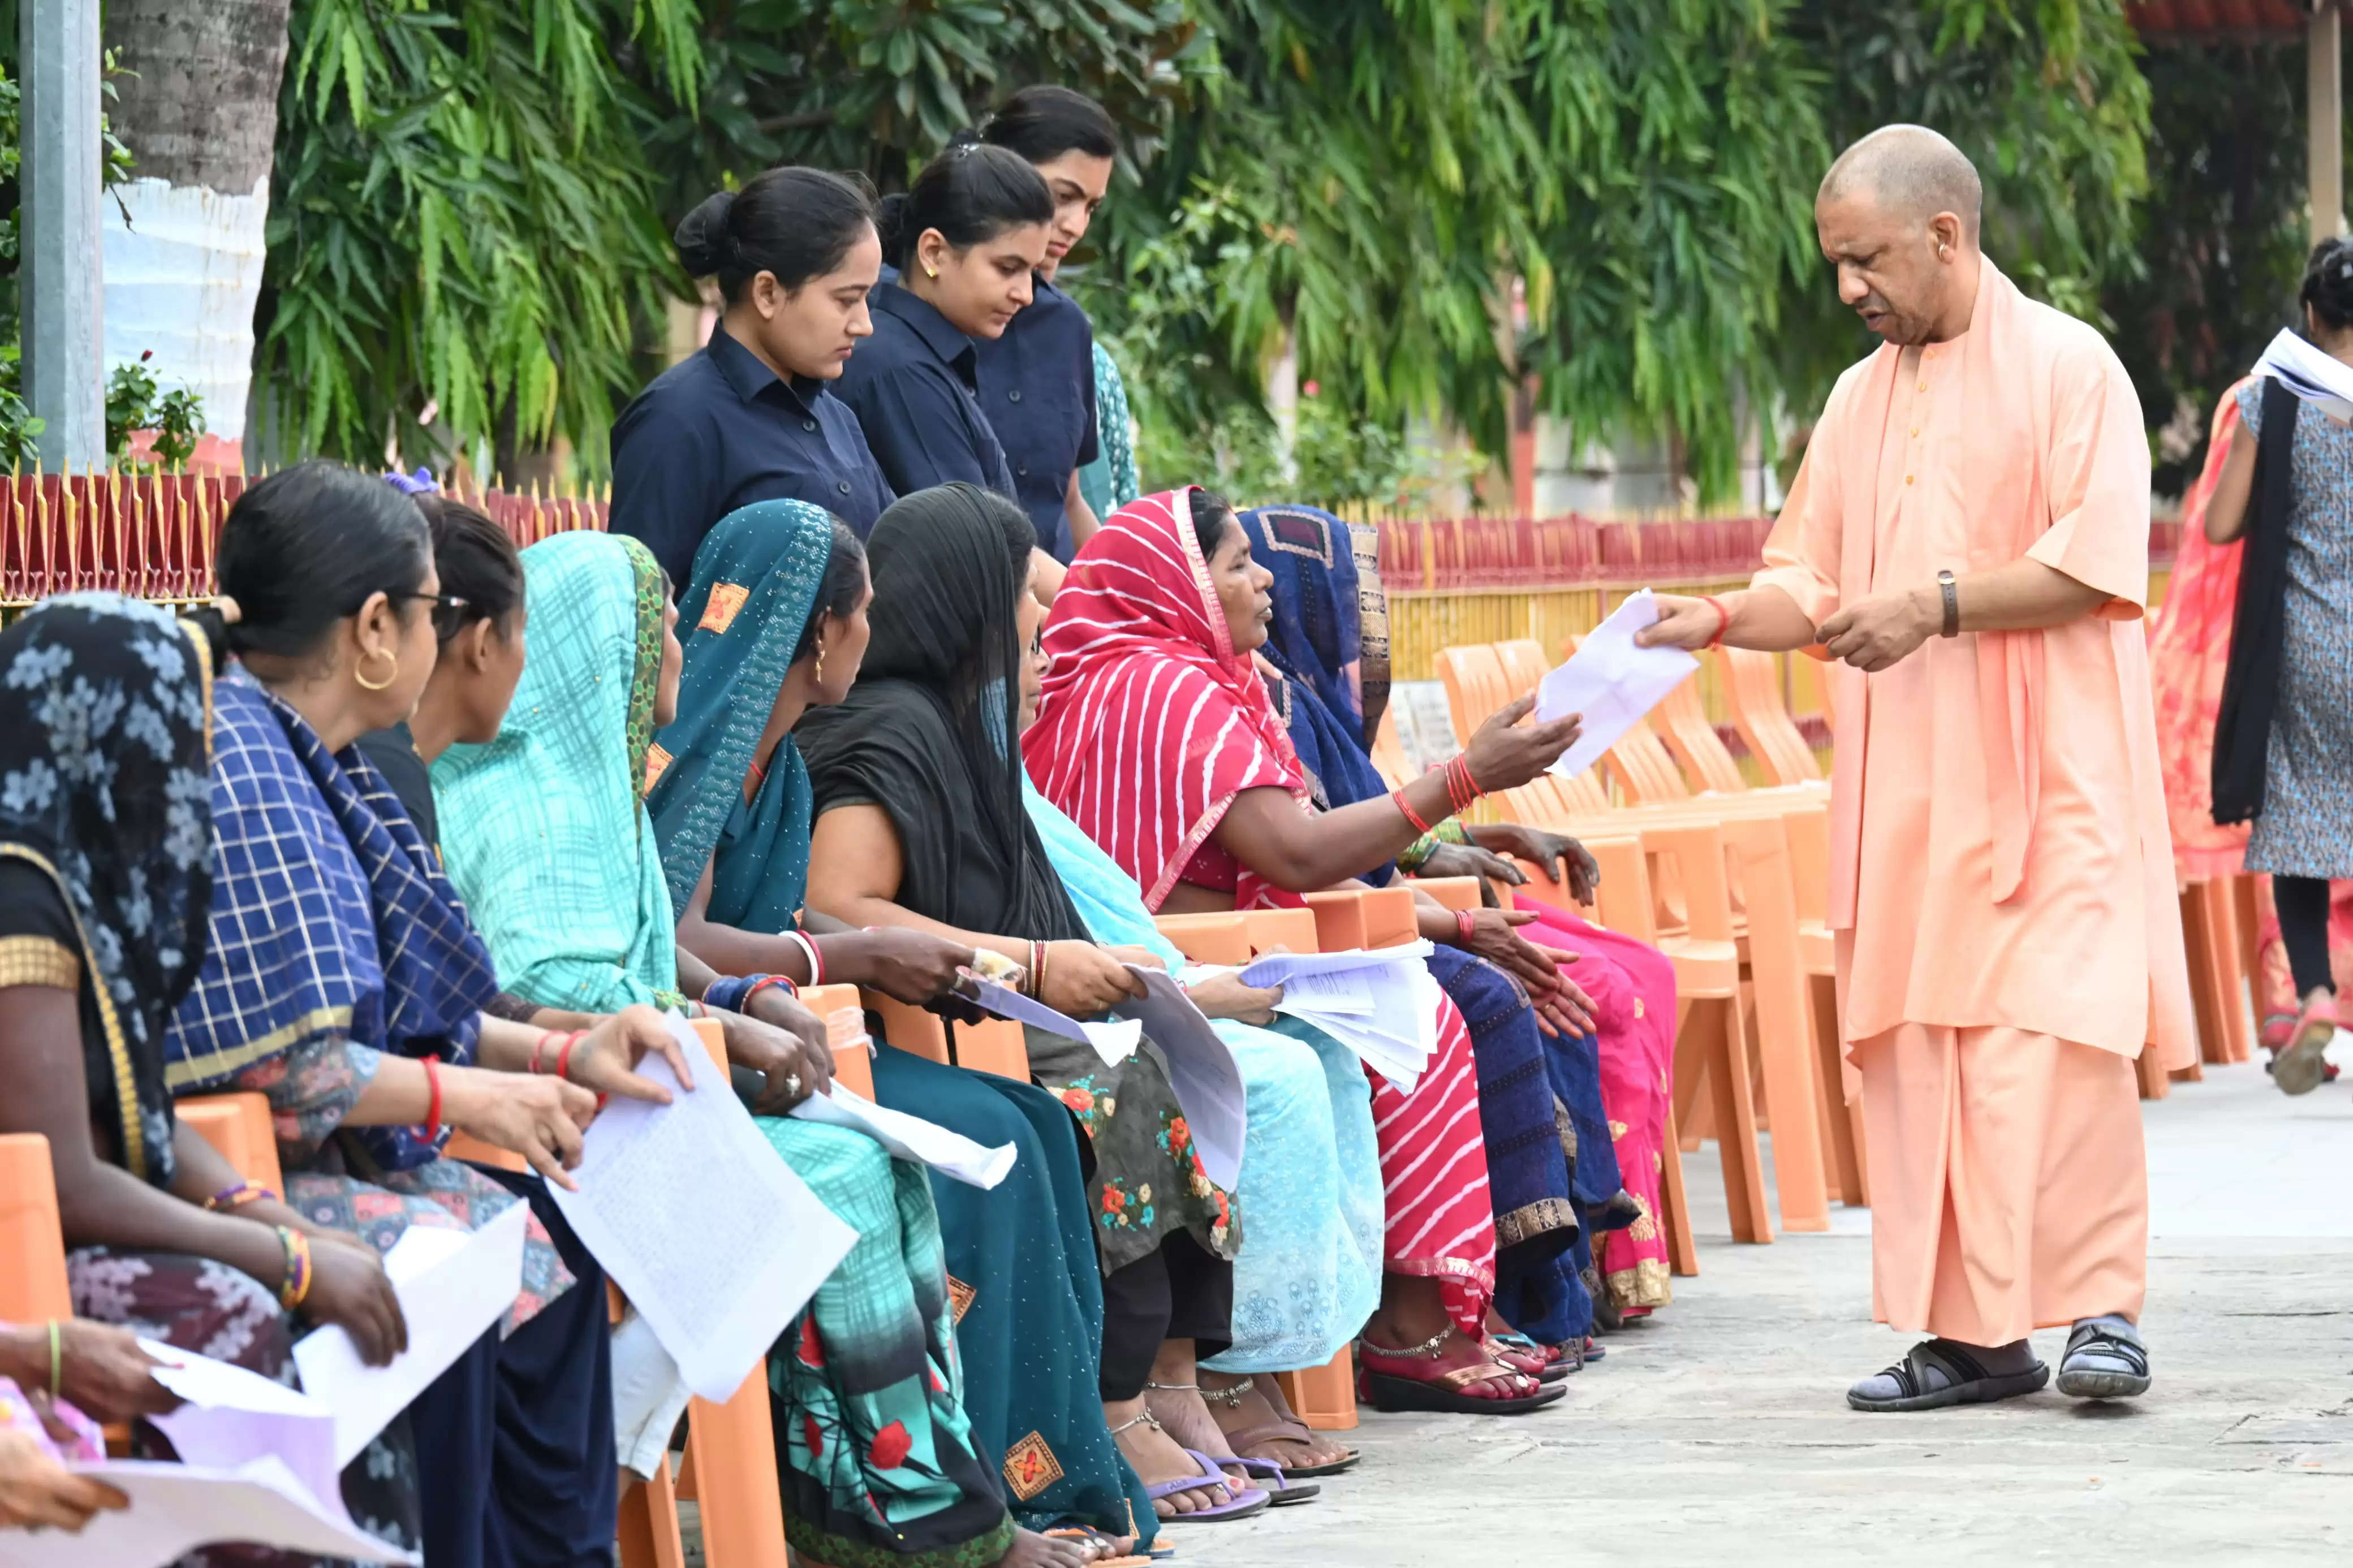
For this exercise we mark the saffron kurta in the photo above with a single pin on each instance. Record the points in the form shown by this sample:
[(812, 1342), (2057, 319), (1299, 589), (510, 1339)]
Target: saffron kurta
[(2001, 859)]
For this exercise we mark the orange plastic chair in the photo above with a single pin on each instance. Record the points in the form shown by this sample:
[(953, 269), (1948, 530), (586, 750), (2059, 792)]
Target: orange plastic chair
[(238, 1125), (994, 1045), (1752, 684), (1475, 686), (32, 1286), (845, 1033), (1457, 893), (1388, 752), (1215, 937)]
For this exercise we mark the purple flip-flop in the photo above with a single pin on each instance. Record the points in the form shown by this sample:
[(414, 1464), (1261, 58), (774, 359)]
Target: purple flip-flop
[(1245, 1500)]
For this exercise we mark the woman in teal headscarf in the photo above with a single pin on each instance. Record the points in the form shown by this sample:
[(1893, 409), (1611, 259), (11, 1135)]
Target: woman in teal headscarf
[(545, 831), (778, 608)]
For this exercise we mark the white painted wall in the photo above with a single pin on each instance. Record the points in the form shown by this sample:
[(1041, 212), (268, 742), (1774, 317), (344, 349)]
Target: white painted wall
[(182, 277)]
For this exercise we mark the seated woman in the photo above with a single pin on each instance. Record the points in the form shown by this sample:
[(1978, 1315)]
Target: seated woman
[(1156, 737), (1311, 1166), (545, 830), (1311, 666), (341, 981), (920, 822), (780, 602), (104, 883)]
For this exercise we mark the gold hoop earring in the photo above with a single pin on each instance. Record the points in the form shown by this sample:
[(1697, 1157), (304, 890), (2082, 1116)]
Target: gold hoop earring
[(390, 675)]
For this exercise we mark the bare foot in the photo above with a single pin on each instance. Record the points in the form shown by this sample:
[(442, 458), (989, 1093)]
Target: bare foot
[(1188, 1419), (1160, 1459), (1258, 1405)]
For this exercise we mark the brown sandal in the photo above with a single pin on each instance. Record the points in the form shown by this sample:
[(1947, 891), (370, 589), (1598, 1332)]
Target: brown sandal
[(1290, 1430)]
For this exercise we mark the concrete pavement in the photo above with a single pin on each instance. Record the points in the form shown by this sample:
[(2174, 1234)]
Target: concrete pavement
[(1719, 1434)]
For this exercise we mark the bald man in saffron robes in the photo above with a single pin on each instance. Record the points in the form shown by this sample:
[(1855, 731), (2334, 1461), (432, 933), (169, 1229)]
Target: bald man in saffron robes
[(1967, 541)]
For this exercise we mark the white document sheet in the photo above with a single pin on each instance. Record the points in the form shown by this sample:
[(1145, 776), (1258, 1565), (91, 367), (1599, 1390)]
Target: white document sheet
[(2322, 379), (1385, 1011), (713, 1239), (233, 1416), (1201, 1069), (452, 1285), (1281, 968), (912, 1137), (1112, 1041), (1611, 682), (175, 1508)]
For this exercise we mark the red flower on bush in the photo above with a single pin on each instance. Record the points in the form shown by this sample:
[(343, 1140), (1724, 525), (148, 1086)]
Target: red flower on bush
[(890, 1446), (812, 1348)]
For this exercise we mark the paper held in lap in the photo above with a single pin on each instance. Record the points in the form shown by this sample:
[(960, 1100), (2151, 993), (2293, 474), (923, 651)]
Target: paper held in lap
[(1201, 1066), (710, 1235), (1380, 1003), (258, 1466), (1611, 682), (452, 1285)]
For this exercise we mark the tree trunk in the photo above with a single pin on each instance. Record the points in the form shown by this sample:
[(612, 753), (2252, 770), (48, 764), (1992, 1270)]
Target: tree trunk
[(184, 241)]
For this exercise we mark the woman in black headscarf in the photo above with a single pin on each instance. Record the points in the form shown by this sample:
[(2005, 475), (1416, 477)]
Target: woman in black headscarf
[(921, 822)]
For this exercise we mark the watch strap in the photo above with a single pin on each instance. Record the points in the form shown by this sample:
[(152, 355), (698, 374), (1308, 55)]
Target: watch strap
[(1951, 590)]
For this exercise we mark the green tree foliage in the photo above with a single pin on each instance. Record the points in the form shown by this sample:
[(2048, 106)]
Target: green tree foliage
[(2221, 235), (462, 218)]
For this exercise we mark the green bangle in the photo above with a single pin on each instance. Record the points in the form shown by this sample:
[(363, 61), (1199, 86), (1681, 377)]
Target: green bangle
[(1417, 854), (57, 1362), (1451, 831)]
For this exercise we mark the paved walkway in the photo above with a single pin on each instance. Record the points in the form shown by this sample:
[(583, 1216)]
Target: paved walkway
[(1719, 1435)]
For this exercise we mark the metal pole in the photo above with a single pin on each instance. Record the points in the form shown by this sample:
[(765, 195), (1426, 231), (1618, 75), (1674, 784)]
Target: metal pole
[(60, 278), (2325, 121)]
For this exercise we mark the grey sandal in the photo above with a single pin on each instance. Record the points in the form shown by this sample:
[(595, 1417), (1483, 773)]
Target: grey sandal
[(1965, 1380), (2104, 1360)]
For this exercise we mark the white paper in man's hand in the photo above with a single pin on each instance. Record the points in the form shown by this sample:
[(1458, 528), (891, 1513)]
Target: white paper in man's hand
[(175, 1508), (452, 1285), (711, 1235), (1611, 682)]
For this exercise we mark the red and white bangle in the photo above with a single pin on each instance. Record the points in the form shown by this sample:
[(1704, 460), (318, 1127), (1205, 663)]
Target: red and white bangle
[(816, 959)]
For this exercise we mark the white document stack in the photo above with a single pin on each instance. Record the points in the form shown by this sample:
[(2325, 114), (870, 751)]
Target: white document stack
[(1380, 1003)]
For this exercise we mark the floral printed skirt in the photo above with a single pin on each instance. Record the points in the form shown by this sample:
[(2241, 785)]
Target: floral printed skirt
[(1148, 1181)]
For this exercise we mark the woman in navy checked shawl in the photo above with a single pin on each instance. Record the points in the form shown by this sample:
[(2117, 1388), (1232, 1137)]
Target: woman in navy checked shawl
[(338, 955)]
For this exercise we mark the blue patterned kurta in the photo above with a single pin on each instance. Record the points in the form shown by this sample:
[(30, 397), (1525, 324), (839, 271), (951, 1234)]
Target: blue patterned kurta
[(2306, 826)]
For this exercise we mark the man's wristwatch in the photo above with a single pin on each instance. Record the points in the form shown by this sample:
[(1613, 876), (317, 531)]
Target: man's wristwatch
[(1951, 590)]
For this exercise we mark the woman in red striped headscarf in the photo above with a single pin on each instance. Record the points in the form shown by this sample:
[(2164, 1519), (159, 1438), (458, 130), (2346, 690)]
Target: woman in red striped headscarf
[(1155, 736)]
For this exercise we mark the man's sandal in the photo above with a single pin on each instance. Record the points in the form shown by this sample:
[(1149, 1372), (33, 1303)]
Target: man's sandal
[(1965, 1380), (2104, 1360)]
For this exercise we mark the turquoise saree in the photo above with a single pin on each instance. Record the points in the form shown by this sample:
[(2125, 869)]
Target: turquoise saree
[(1020, 1258), (544, 831)]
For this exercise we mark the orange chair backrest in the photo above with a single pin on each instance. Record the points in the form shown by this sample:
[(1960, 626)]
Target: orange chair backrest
[(1753, 683), (845, 1033), (1692, 738), (1523, 665), (1281, 930), (1390, 917), (1457, 893), (1215, 937), (1474, 683), (1643, 767), (238, 1125), (1397, 770), (32, 1244)]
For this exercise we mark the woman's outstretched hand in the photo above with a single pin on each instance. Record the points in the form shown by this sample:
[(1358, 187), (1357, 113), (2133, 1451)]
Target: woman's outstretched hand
[(904, 964), (1082, 979), (1561, 1007), (536, 1117), (1505, 753)]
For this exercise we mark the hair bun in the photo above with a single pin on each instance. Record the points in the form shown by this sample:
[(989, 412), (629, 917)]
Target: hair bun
[(704, 246)]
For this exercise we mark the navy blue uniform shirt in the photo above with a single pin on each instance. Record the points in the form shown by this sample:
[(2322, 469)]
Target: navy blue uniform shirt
[(910, 385), (720, 430), (1038, 388)]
